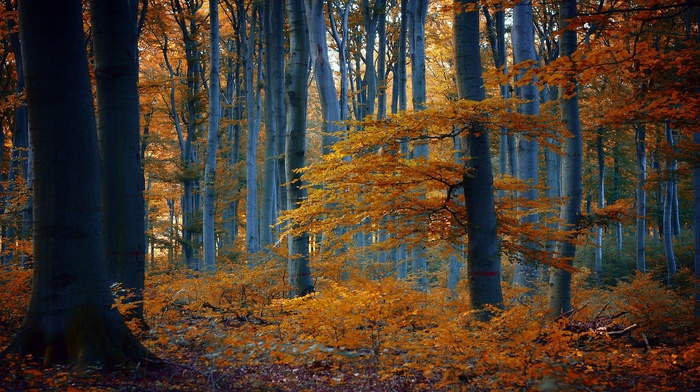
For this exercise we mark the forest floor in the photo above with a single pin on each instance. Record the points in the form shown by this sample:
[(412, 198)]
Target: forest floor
[(225, 335)]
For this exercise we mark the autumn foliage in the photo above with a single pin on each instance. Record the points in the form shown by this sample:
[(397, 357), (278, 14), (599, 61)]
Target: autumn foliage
[(236, 331)]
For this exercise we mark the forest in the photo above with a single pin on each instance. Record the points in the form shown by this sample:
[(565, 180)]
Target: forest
[(369, 195)]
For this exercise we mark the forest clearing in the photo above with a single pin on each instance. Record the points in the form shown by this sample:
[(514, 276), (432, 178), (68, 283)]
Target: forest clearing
[(384, 195)]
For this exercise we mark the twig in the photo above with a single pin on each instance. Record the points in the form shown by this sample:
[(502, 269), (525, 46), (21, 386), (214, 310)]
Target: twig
[(624, 331)]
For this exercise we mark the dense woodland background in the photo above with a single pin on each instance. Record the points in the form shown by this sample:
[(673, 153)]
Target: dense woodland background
[(382, 195)]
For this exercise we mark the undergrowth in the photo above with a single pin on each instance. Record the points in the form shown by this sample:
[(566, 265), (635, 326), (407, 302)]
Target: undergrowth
[(234, 330)]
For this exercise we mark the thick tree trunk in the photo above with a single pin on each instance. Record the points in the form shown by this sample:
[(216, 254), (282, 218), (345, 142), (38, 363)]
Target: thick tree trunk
[(560, 280), (115, 35), (299, 272), (640, 138), (528, 147), (484, 263), (70, 319), (208, 217)]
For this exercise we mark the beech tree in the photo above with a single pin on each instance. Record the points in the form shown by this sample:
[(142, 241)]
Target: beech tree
[(115, 31), (70, 319), (483, 258), (208, 219), (299, 272), (528, 146), (560, 279)]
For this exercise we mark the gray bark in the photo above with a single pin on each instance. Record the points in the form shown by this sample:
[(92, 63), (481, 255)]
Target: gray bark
[(208, 217), (528, 148), (325, 82), (483, 257), (273, 16), (298, 270), (640, 138), (601, 204), (560, 280), (671, 167), (252, 211), (115, 30), (417, 12), (70, 319), (191, 201)]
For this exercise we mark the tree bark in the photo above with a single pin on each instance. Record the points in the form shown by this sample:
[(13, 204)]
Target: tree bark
[(560, 280), (273, 15), (484, 263), (671, 167), (640, 138), (252, 211), (115, 30), (208, 217), (696, 226), (528, 148), (70, 319), (601, 203), (299, 272)]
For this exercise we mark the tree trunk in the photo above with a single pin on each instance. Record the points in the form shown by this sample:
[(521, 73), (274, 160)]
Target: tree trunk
[(208, 217), (115, 36), (528, 148), (696, 226), (70, 319), (252, 212), (671, 167), (560, 280), (640, 138), (325, 82), (299, 272), (274, 118), (484, 263), (601, 204), (191, 201)]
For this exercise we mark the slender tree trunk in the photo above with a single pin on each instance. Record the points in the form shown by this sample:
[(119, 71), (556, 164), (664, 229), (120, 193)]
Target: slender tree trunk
[(696, 226), (70, 319), (528, 147), (616, 194), (299, 272), (417, 12), (484, 263), (208, 217), (671, 164), (252, 212), (115, 30), (560, 280), (601, 204), (640, 137), (233, 114), (274, 109), (191, 202)]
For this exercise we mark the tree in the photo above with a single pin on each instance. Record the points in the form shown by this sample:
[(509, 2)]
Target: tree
[(70, 319), (528, 147), (115, 30), (640, 138), (208, 218), (299, 273), (483, 259), (560, 279)]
